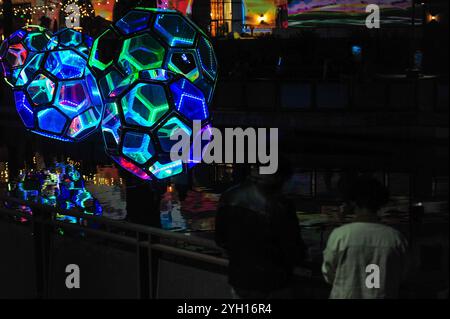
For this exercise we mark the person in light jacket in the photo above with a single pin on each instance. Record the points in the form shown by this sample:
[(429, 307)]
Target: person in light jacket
[(365, 259)]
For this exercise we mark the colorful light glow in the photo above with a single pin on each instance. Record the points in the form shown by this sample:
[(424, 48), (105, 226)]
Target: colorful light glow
[(132, 168), (19, 48)]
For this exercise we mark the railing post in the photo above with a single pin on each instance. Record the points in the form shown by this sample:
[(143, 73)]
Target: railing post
[(41, 235), (144, 289)]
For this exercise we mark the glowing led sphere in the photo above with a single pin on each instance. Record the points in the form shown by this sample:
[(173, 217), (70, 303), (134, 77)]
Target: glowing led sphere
[(143, 112), (19, 49), (147, 38), (56, 93)]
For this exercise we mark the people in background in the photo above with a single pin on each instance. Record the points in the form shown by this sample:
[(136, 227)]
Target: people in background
[(259, 229), (365, 259)]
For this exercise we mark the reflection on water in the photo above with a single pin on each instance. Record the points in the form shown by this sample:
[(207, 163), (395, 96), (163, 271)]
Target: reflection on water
[(108, 187)]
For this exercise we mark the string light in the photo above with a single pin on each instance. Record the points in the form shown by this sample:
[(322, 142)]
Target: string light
[(86, 9)]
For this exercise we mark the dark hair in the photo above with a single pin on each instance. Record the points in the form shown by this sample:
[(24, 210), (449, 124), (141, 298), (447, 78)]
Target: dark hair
[(366, 192)]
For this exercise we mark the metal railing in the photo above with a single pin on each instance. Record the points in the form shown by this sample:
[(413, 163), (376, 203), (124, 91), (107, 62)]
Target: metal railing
[(147, 241)]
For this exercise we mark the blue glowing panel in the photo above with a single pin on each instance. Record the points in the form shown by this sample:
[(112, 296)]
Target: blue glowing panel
[(169, 129), (133, 21), (189, 100), (24, 109), (93, 90), (51, 120), (17, 36), (65, 64), (175, 30), (138, 147)]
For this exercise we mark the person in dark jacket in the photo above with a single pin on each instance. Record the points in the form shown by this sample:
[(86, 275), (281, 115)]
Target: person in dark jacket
[(258, 228)]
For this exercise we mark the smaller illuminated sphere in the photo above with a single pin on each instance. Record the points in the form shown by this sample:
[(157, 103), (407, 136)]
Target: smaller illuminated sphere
[(56, 92), (148, 38), (19, 48), (143, 112)]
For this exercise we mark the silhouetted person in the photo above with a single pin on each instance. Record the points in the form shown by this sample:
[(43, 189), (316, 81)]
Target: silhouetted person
[(259, 229), (365, 259), (143, 200)]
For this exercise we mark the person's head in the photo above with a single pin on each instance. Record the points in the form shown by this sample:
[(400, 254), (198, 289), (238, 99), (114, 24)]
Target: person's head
[(277, 179), (365, 194)]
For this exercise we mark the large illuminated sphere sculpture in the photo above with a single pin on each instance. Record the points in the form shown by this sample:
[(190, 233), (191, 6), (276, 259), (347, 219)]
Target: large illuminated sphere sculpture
[(19, 48), (56, 92), (148, 38), (144, 111)]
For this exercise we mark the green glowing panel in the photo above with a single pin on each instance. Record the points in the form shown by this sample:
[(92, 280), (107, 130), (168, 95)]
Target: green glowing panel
[(144, 105), (141, 52), (185, 64), (104, 49), (138, 147)]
